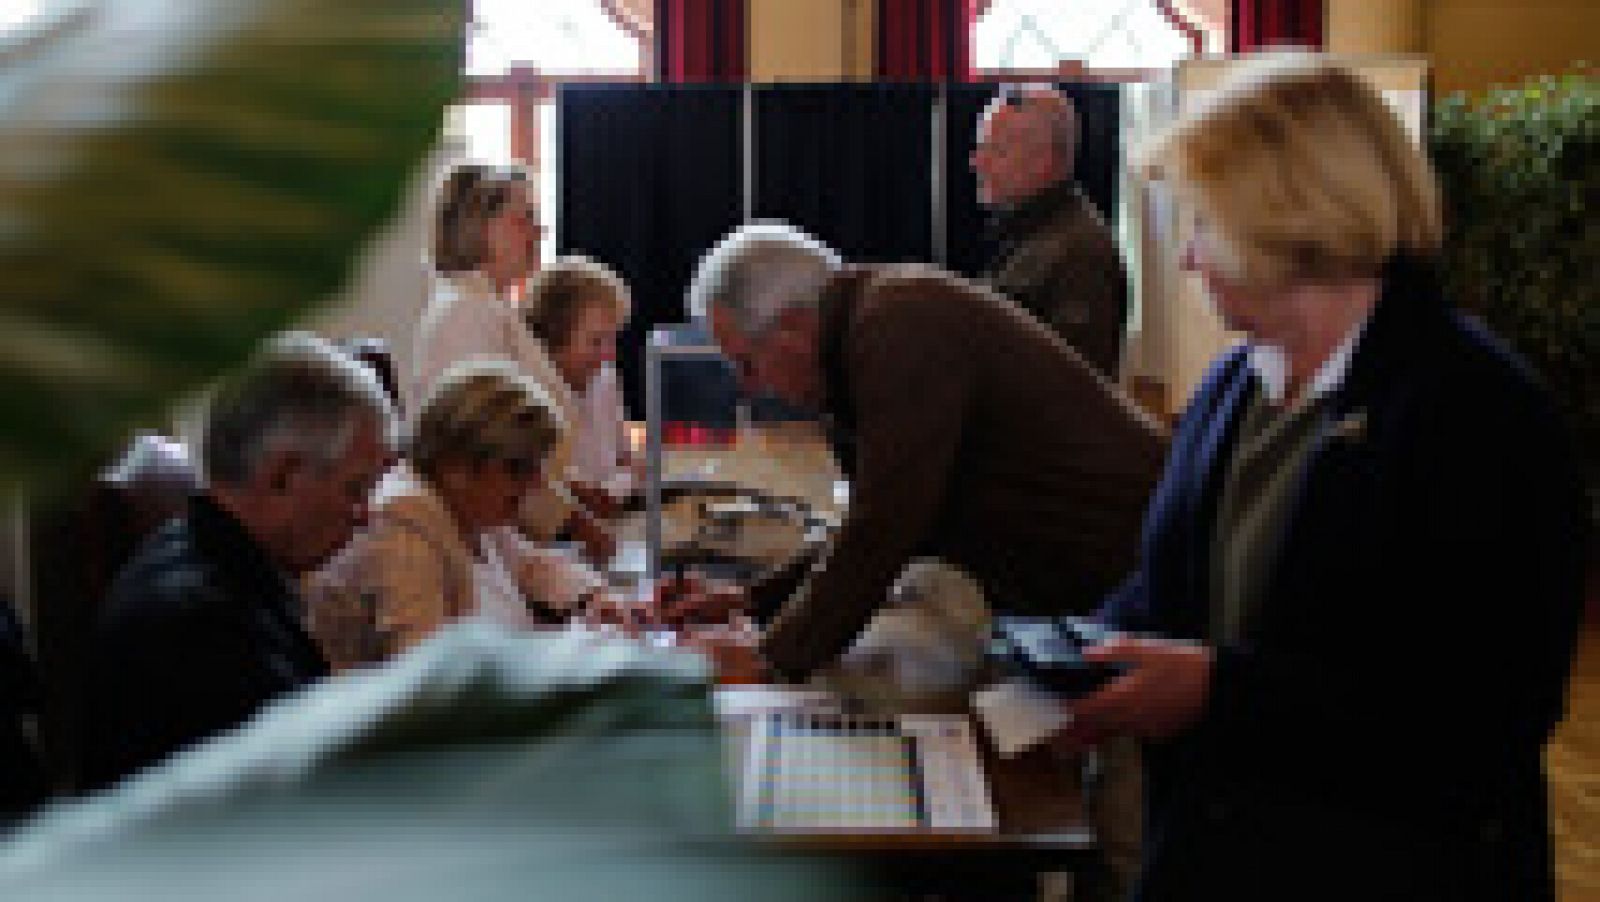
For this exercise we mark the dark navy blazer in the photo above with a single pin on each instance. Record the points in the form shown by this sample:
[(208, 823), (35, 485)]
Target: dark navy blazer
[(1377, 731)]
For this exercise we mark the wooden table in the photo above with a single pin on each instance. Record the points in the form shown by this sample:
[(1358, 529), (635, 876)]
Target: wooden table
[(1038, 801), (1042, 822)]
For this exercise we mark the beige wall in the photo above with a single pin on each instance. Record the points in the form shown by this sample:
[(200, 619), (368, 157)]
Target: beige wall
[(810, 40), (1376, 26), (1472, 44), (1478, 43)]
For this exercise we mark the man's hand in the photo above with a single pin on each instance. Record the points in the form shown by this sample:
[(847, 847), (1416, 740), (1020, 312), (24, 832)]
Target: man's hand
[(1163, 693)]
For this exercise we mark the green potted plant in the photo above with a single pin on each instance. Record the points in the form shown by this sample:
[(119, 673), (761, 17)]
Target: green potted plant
[(1521, 181), (177, 181)]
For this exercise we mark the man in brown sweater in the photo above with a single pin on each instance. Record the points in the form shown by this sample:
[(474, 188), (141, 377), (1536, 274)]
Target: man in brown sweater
[(1056, 258), (971, 433)]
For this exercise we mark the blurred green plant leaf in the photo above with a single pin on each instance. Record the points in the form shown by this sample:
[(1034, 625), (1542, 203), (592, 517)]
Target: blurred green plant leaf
[(178, 180)]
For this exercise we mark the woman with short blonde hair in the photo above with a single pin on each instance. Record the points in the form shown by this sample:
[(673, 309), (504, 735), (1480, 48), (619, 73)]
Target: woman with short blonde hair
[(1362, 574), (1302, 172), (435, 549), (482, 410)]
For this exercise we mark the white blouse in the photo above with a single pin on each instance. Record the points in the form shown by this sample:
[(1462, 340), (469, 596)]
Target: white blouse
[(464, 319), (599, 440)]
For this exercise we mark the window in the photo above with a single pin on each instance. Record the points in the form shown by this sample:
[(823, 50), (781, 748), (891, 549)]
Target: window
[(480, 132), (517, 52), (557, 37), (1041, 35)]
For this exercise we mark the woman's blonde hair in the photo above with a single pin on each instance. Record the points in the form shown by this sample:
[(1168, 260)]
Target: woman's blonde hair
[(1303, 172), (563, 289), (483, 409), (470, 196)]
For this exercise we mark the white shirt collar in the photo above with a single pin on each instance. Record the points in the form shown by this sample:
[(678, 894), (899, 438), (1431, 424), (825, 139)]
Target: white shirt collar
[(1271, 366)]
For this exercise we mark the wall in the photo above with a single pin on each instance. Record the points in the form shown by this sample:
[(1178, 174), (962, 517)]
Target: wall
[(1376, 26), (1472, 44), (1478, 43), (388, 286), (811, 40)]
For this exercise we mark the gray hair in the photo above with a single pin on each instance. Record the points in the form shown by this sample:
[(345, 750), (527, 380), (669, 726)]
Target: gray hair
[(1054, 110), (300, 394), (758, 272)]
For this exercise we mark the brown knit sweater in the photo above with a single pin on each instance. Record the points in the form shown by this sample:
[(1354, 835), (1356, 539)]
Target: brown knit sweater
[(971, 432)]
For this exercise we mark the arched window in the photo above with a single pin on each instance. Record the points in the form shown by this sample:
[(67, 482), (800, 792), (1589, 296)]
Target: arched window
[(1047, 35), (558, 37)]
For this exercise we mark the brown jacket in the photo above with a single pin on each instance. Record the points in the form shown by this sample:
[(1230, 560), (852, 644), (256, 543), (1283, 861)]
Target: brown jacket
[(1059, 261), (972, 433)]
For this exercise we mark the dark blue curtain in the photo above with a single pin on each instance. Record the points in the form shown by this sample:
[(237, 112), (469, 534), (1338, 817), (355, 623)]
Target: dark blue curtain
[(1099, 162), (850, 163), (650, 178)]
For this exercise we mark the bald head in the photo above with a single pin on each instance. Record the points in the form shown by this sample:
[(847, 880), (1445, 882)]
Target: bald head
[(1027, 141)]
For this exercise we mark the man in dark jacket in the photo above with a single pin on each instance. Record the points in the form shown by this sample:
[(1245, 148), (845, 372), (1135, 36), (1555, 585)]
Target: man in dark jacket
[(203, 627), (1056, 257)]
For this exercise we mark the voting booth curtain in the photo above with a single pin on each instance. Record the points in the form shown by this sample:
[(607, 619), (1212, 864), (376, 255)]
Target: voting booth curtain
[(651, 176)]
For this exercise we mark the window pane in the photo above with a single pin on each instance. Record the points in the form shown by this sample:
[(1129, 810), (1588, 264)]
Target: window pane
[(1038, 34), (479, 132), (553, 36), (547, 178)]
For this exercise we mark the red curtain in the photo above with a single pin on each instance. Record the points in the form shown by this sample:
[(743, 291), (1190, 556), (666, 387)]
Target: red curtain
[(925, 40), (1265, 23), (701, 40)]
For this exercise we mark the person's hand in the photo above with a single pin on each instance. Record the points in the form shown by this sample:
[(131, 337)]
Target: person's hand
[(596, 500), (1163, 692), (608, 609), (694, 599), (599, 545), (734, 655)]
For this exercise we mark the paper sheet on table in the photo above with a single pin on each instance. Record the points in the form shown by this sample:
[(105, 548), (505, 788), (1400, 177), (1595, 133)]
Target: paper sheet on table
[(1018, 716)]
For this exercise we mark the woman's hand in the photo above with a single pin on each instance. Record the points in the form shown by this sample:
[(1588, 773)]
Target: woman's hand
[(1163, 692), (595, 499), (599, 545)]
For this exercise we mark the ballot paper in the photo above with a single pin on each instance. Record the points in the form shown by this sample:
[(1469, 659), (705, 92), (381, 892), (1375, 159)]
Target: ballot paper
[(1018, 716)]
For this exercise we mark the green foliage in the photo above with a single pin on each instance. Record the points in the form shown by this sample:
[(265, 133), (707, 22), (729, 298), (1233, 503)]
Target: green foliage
[(177, 181), (1521, 184)]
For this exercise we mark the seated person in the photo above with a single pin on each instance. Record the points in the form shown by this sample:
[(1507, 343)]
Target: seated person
[(486, 245), (441, 545), (575, 307), (202, 628)]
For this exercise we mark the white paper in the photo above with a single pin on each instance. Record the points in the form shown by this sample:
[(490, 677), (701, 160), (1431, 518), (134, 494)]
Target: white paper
[(1017, 716)]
